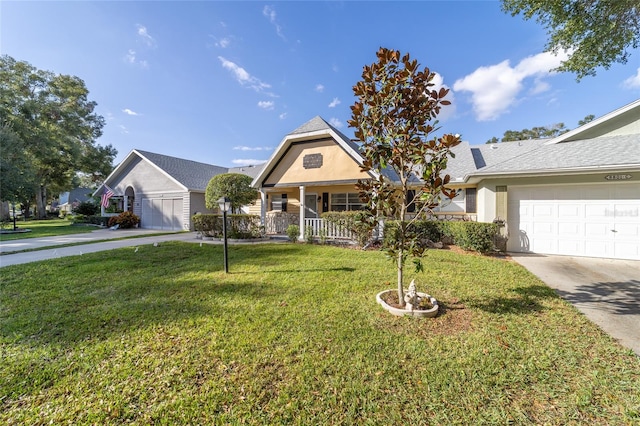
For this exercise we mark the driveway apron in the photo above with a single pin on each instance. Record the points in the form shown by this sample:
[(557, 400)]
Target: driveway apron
[(607, 291)]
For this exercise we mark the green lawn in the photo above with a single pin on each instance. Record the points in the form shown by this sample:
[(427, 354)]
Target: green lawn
[(45, 228), (293, 336)]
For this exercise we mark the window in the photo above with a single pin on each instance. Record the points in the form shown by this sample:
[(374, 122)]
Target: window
[(470, 200), (501, 202), (279, 202), (346, 202)]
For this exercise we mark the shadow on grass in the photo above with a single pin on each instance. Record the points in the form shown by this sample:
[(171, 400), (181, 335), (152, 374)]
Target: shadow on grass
[(619, 297), (99, 311), (524, 301)]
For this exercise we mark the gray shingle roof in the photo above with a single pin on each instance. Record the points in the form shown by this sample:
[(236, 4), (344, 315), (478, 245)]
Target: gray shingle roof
[(191, 174), (588, 153), (251, 171)]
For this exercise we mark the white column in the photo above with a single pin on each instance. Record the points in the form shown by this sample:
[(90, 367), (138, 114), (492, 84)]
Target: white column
[(263, 207), (301, 237)]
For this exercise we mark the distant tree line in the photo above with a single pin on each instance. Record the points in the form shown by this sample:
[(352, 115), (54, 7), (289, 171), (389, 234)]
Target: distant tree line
[(537, 132)]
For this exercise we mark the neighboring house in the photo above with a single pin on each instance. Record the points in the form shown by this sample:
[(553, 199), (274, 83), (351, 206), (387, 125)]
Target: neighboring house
[(67, 201), (165, 192), (576, 194)]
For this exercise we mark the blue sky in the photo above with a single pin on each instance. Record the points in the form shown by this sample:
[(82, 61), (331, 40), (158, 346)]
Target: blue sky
[(224, 82)]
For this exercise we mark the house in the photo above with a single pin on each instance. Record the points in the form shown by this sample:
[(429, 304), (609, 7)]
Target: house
[(576, 194), (164, 191), (67, 201)]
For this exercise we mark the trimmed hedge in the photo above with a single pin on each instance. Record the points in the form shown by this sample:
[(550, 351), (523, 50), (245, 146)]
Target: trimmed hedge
[(474, 236), (94, 220), (239, 226)]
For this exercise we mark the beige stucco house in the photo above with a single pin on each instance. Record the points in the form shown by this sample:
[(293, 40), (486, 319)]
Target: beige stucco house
[(576, 194)]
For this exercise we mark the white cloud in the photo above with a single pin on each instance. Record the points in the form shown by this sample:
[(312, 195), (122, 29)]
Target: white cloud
[(246, 162), (224, 42), (335, 122), (252, 148), (123, 129), (495, 88), (319, 88), (131, 56), (129, 112), (243, 77), (282, 116), (270, 13), (268, 105), (446, 111), (632, 82), (335, 102), (145, 37)]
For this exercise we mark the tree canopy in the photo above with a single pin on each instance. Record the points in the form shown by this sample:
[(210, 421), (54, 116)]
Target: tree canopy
[(596, 33), (395, 118), (236, 186), (51, 115)]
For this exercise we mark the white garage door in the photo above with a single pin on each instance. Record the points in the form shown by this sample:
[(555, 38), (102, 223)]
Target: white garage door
[(162, 213), (599, 220)]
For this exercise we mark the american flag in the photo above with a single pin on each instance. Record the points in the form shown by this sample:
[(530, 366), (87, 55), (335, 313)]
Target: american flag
[(108, 193)]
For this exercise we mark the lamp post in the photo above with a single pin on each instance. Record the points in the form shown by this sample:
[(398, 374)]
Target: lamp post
[(225, 205)]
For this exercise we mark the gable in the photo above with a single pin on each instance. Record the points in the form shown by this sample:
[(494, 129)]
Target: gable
[(142, 176), (314, 162)]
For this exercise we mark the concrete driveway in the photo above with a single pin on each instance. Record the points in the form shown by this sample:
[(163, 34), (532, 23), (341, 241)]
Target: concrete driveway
[(607, 291)]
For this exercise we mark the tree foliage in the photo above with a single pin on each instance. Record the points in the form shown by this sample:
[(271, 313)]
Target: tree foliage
[(17, 176), (54, 119), (395, 118), (543, 132), (597, 33), (236, 186)]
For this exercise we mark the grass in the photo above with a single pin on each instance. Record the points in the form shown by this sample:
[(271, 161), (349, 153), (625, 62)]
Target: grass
[(292, 335), (45, 228)]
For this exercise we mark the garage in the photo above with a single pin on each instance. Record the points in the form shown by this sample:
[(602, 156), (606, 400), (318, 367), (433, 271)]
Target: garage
[(162, 213), (596, 220)]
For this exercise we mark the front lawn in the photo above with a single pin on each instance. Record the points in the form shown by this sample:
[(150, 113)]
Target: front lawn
[(45, 228), (292, 335)]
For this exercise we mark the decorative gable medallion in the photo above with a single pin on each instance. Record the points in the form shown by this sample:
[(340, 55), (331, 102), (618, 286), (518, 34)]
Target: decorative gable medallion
[(312, 161)]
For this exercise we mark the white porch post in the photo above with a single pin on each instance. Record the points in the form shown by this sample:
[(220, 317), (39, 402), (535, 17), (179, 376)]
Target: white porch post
[(124, 203), (302, 207), (263, 207)]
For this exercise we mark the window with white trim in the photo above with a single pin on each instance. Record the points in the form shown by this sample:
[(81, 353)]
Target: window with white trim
[(346, 202)]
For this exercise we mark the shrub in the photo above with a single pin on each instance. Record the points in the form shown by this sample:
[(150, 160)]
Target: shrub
[(124, 220), (292, 232), (240, 226), (476, 236), (359, 223), (308, 235), (87, 208), (423, 231)]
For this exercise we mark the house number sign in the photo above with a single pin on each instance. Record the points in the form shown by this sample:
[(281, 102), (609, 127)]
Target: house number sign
[(618, 177), (312, 161)]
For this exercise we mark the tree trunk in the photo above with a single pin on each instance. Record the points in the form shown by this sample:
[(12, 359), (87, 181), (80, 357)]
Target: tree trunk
[(400, 289), (41, 196)]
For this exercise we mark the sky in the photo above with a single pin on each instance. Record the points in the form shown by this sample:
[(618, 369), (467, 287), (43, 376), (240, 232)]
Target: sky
[(224, 82)]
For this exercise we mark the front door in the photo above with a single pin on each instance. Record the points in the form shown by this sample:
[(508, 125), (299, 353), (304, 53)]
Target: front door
[(310, 206)]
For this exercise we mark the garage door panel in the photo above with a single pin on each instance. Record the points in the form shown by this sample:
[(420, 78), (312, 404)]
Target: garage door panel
[(570, 229), (601, 220), (162, 213)]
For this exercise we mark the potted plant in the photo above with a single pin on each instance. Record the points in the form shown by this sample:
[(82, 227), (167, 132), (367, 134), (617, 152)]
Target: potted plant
[(394, 117)]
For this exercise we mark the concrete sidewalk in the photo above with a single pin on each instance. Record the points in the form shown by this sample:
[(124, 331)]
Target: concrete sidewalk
[(607, 291), (87, 241)]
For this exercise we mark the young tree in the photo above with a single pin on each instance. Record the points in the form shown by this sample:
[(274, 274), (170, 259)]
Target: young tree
[(395, 118), (53, 117), (596, 32), (236, 186)]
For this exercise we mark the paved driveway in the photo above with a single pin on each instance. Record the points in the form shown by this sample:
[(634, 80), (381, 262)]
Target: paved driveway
[(607, 291)]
